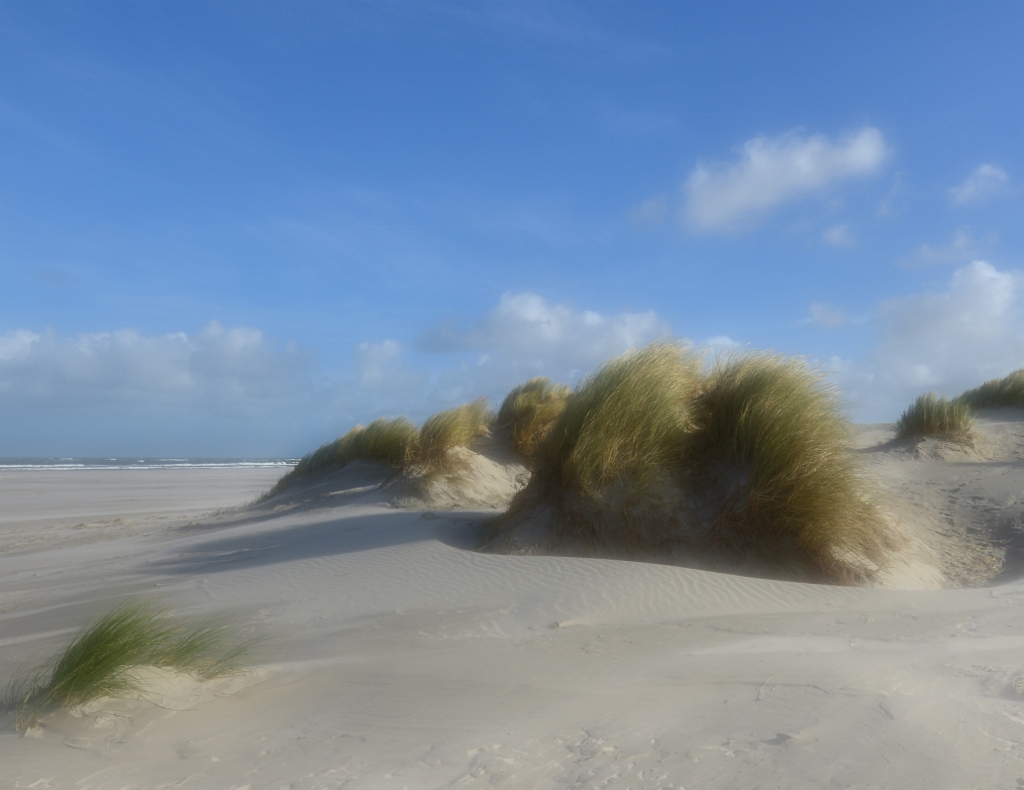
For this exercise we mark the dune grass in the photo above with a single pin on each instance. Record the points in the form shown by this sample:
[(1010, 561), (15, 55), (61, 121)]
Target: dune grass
[(388, 441), (748, 462), (625, 422), (446, 430), (103, 659), (934, 415), (397, 443), (529, 411), (997, 393), (771, 474)]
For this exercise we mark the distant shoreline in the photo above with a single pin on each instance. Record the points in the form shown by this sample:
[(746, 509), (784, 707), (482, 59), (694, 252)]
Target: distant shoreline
[(76, 464)]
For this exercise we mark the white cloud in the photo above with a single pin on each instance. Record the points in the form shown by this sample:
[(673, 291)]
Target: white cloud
[(838, 236), (825, 315), (525, 335), (948, 341), (987, 181), (720, 343), (532, 330), (962, 248), (771, 171), (225, 365), (17, 345), (957, 338)]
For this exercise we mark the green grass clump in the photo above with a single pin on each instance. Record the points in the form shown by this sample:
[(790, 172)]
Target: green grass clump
[(771, 474), (446, 430), (529, 411), (997, 393), (625, 422), (103, 659), (933, 415), (388, 441)]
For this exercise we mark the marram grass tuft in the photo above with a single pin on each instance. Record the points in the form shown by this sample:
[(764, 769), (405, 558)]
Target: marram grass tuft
[(997, 393), (446, 430), (626, 422), (529, 411), (397, 443), (772, 475), (387, 441), (103, 659), (934, 415)]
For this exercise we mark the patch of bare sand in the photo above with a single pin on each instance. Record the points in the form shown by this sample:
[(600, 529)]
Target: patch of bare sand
[(960, 507), (485, 476)]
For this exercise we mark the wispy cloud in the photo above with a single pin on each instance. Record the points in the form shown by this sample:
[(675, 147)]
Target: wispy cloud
[(947, 340), (651, 213), (961, 248), (895, 200), (218, 365), (838, 236), (382, 369), (769, 172), (984, 183), (825, 315), (522, 336), (528, 327), (556, 23)]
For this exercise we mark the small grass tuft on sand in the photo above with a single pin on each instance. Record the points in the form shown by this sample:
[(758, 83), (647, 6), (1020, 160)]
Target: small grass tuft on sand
[(997, 393), (936, 416), (103, 660), (529, 411), (449, 429)]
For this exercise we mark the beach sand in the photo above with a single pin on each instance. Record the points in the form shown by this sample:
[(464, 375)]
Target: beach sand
[(396, 657)]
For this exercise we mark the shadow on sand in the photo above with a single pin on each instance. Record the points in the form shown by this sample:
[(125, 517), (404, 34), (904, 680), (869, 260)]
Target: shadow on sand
[(315, 527)]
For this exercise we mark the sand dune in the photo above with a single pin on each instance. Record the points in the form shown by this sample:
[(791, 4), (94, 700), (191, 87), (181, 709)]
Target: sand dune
[(397, 657)]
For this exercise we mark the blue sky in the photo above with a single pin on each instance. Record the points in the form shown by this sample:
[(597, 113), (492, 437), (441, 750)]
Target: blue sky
[(240, 228)]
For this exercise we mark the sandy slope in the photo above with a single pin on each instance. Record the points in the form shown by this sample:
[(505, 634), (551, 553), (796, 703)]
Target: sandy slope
[(398, 658)]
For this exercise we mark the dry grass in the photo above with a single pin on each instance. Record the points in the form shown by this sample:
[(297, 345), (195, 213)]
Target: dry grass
[(997, 393), (626, 422), (933, 415), (618, 436), (102, 660), (387, 441), (747, 464), (772, 477), (456, 427), (529, 411), (398, 443)]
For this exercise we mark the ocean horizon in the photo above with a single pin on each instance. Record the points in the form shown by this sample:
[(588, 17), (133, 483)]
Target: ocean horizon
[(74, 464)]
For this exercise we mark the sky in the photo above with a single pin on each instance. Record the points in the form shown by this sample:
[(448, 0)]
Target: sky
[(241, 228)]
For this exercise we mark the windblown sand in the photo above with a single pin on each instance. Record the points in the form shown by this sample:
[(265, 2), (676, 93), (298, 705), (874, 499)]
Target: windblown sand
[(399, 658)]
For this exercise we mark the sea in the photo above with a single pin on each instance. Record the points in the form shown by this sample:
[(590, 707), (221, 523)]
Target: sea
[(73, 464)]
